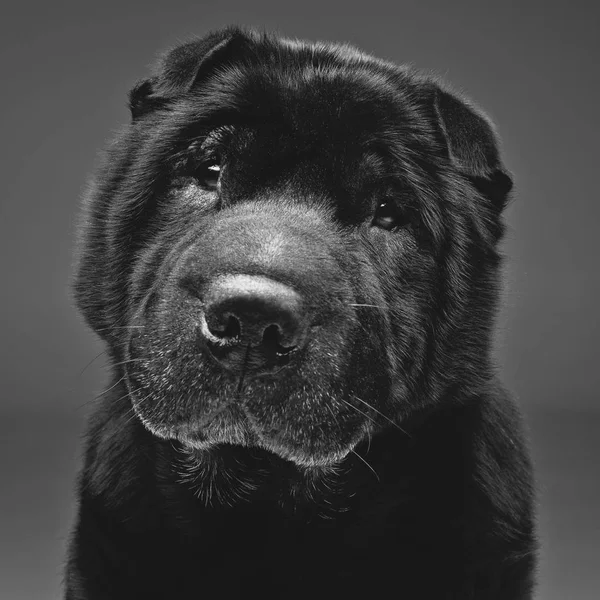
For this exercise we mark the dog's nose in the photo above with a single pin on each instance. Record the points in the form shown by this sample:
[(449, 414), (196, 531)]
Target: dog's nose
[(252, 323)]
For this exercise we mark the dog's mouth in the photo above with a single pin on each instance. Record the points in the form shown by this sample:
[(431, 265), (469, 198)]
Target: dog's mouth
[(228, 424), (238, 423)]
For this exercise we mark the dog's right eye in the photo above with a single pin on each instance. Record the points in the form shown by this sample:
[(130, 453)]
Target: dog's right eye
[(208, 175), (389, 217)]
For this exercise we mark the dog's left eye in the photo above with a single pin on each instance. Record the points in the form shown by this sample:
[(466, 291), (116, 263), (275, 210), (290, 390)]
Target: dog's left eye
[(208, 175), (388, 216)]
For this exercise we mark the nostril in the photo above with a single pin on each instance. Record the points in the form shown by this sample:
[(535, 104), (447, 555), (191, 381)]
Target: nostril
[(272, 337), (228, 327), (222, 332)]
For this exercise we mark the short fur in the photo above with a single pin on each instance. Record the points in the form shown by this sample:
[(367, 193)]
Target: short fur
[(385, 460)]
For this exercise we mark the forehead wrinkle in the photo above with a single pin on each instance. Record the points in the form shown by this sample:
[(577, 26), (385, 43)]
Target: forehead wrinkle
[(267, 92)]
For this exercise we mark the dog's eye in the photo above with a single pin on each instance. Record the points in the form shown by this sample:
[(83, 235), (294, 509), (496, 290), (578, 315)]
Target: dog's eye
[(208, 175), (388, 216)]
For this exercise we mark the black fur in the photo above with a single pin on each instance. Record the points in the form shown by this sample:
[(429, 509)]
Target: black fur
[(384, 458)]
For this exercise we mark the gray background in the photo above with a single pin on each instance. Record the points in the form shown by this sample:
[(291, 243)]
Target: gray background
[(65, 70)]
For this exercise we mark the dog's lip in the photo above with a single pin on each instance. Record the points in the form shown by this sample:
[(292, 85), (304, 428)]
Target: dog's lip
[(231, 407)]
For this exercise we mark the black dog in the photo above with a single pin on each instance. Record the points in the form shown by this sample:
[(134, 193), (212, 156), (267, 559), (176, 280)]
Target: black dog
[(291, 254)]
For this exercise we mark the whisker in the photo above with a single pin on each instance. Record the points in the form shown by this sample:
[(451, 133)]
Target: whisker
[(371, 306), (366, 463), (120, 327), (130, 360), (110, 388), (330, 408), (384, 416), (133, 413), (360, 411), (88, 402), (123, 397), (91, 361)]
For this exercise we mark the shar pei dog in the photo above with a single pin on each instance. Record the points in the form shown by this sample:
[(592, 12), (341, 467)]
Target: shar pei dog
[(291, 254)]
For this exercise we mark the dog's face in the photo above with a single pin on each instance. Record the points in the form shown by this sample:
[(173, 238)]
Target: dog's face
[(292, 246)]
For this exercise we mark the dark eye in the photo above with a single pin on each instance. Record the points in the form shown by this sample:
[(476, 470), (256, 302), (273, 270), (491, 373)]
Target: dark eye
[(388, 216), (208, 174)]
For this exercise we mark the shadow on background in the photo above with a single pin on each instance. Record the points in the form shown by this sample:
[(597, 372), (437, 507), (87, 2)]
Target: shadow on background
[(66, 68)]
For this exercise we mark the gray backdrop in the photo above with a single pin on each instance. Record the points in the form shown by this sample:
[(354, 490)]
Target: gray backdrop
[(533, 65)]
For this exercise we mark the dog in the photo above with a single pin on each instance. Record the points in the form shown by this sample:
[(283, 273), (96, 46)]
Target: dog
[(291, 254)]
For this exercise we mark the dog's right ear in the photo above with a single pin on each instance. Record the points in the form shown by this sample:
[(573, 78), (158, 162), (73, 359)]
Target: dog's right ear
[(472, 146), (183, 68)]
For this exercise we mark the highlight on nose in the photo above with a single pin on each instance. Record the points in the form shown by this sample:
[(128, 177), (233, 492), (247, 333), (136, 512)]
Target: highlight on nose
[(252, 322)]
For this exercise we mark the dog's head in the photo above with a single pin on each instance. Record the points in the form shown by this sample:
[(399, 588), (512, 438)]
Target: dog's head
[(292, 245)]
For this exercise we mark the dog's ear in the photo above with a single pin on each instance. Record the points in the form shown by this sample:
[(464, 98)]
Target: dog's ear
[(183, 68), (472, 145)]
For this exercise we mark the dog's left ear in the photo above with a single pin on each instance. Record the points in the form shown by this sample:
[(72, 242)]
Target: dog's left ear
[(473, 146), (183, 68)]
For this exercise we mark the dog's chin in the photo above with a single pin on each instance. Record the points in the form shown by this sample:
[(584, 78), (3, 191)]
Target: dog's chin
[(231, 426)]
